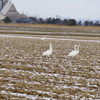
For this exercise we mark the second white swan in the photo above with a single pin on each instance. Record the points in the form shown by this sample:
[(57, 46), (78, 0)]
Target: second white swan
[(75, 51)]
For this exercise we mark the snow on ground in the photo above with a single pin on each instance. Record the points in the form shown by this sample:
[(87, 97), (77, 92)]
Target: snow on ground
[(39, 37)]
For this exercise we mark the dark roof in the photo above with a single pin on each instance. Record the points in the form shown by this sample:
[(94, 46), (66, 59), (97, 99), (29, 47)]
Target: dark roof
[(24, 20)]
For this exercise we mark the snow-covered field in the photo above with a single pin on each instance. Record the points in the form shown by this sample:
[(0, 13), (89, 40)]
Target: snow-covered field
[(26, 75)]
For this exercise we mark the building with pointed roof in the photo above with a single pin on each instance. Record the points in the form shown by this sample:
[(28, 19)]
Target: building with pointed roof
[(7, 9)]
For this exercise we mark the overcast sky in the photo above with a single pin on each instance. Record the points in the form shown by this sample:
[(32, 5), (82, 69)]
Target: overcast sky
[(77, 9)]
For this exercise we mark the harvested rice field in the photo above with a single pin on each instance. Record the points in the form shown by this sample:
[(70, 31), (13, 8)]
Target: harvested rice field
[(26, 75)]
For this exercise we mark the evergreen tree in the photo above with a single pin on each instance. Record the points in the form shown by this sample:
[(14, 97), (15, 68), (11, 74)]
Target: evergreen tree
[(65, 21), (49, 20), (71, 22), (6, 20)]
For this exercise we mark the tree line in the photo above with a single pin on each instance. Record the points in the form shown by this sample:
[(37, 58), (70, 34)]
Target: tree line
[(51, 20), (70, 22), (59, 21)]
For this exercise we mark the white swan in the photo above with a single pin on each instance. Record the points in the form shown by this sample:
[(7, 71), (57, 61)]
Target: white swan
[(75, 51), (48, 52)]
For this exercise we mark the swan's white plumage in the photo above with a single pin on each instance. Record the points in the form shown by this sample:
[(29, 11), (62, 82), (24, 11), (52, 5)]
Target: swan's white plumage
[(48, 52), (75, 51)]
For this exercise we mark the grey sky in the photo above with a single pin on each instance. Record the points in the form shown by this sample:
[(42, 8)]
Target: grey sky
[(77, 9)]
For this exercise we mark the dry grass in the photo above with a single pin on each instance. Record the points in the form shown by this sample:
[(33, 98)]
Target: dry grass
[(47, 29), (50, 29), (50, 26), (24, 73)]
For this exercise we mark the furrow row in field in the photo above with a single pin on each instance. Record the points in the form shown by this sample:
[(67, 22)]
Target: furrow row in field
[(26, 74)]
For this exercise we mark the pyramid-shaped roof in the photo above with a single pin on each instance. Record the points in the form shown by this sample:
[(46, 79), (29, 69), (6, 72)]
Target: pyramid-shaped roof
[(8, 7), (10, 11)]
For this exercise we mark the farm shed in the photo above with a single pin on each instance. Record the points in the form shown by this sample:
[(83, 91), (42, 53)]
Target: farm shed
[(24, 21)]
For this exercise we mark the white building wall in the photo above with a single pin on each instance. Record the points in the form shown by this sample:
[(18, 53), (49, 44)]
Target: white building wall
[(2, 17)]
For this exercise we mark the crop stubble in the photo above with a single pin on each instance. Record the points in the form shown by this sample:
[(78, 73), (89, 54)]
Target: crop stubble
[(25, 74)]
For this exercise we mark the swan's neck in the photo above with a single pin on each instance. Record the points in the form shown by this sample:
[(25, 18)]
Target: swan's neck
[(51, 47), (78, 48), (75, 48)]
